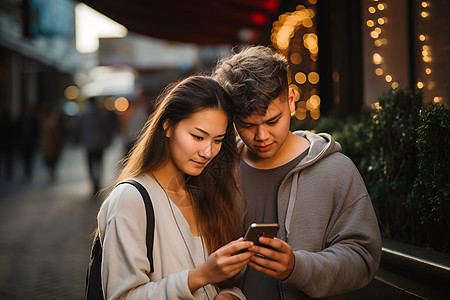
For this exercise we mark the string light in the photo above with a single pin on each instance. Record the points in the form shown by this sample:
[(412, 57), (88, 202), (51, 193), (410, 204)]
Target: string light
[(374, 34), (313, 77), (379, 41), (300, 77), (292, 32), (377, 59), (437, 99), (296, 58), (289, 23), (426, 50)]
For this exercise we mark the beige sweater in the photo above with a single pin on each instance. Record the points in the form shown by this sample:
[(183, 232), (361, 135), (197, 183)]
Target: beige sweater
[(125, 266)]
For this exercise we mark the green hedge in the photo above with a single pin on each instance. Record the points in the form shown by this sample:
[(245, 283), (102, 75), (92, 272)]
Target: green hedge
[(402, 150)]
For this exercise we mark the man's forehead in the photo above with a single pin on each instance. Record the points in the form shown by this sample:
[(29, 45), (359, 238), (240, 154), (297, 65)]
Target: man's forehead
[(273, 110)]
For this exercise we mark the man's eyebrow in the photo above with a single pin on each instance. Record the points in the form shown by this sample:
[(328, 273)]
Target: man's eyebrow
[(207, 133), (269, 120), (242, 122), (274, 117)]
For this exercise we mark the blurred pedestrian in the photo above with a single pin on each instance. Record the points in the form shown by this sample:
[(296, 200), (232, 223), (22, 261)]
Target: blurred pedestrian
[(135, 124), (94, 131), (53, 137), (7, 136), (27, 139), (185, 158)]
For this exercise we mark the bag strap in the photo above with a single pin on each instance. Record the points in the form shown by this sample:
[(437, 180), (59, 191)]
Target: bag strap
[(93, 274), (150, 217)]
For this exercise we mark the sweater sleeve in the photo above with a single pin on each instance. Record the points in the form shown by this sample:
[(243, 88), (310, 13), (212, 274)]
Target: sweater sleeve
[(347, 250), (125, 265), (235, 291), (349, 262)]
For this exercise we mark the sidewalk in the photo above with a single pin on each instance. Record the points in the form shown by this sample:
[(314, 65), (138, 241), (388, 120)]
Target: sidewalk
[(45, 228)]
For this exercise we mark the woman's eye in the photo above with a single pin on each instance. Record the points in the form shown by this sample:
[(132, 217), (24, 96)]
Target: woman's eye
[(218, 141), (197, 138)]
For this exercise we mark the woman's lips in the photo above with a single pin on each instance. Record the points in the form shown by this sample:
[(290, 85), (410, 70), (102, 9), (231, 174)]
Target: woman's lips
[(199, 164)]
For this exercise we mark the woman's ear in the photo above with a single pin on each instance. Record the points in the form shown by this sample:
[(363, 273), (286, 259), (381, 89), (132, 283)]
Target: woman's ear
[(166, 128)]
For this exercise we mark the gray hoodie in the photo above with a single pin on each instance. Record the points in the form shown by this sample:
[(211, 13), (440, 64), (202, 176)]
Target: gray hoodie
[(326, 216)]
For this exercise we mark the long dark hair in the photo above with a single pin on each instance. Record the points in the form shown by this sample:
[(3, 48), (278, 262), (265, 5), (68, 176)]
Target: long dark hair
[(214, 190)]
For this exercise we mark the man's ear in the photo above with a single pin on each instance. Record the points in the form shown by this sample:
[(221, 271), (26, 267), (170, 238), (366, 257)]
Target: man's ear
[(291, 99)]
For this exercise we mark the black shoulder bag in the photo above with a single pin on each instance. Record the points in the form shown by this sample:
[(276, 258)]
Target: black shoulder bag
[(93, 276)]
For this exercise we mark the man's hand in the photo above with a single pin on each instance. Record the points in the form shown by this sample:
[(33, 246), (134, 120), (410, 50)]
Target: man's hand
[(277, 263)]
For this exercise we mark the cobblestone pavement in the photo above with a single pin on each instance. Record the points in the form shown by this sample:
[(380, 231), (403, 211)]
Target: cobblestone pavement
[(45, 228)]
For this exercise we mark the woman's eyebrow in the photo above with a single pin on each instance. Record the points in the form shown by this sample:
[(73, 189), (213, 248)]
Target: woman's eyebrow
[(207, 133)]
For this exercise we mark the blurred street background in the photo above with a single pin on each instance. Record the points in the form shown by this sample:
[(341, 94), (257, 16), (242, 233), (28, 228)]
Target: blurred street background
[(78, 79), (46, 227)]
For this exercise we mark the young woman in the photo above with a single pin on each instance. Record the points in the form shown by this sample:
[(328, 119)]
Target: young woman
[(185, 158)]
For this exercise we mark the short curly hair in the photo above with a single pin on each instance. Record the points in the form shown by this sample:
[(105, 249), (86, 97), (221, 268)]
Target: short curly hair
[(253, 78)]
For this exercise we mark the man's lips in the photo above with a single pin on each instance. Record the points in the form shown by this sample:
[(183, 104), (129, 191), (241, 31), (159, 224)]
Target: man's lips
[(263, 148)]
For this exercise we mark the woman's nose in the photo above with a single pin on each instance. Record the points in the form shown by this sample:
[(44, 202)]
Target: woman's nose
[(206, 151)]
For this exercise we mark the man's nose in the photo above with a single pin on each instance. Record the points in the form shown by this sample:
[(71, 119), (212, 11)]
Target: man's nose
[(261, 133)]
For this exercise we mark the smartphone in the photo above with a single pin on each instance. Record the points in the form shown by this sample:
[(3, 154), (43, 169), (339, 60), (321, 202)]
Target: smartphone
[(255, 230)]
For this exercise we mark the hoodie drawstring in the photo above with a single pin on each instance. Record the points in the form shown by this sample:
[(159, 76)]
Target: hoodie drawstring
[(291, 204)]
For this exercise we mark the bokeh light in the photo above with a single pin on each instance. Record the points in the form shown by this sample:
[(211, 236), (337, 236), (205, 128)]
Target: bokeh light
[(121, 104)]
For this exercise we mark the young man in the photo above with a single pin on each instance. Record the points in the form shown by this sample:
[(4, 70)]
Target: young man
[(329, 241)]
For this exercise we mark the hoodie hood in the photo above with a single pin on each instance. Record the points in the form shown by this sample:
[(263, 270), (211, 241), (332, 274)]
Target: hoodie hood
[(321, 145)]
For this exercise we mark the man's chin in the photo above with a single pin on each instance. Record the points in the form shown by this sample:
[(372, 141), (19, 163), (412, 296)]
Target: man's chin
[(261, 154)]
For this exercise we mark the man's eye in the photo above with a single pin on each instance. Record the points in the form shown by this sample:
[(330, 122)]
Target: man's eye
[(272, 122)]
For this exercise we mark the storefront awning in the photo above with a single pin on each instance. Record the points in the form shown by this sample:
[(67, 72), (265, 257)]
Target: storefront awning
[(202, 22)]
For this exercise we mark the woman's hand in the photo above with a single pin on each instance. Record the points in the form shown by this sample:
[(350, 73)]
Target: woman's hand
[(226, 296), (224, 263)]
